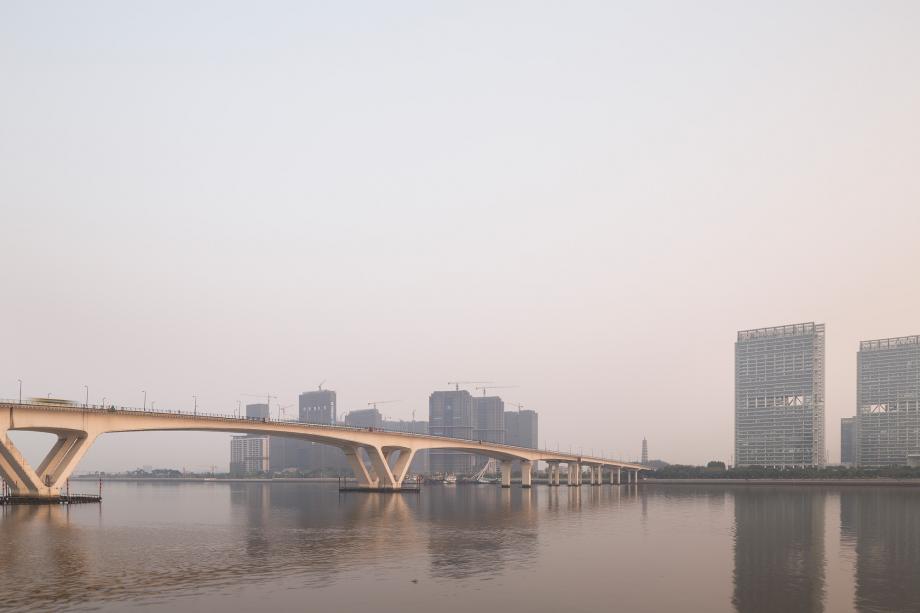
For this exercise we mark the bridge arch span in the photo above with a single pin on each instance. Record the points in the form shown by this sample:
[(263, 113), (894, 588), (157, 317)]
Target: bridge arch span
[(388, 453)]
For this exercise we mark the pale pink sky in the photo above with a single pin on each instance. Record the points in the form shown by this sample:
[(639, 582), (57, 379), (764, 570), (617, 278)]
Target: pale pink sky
[(586, 200)]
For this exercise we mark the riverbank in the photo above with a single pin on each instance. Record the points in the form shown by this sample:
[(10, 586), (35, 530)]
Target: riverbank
[(210, 479), (876, 481)]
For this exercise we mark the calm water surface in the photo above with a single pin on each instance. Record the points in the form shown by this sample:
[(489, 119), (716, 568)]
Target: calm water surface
[(305, 547)]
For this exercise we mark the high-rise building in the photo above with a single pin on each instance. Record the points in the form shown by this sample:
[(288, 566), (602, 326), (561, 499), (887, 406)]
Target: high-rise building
[(249, 455), (779, 396), (644, 450), (521, 428), (257, 411), (848, 441), (888, 401), (364, 418), (489, 419), (317, 407), (488, 423), (450, 413)]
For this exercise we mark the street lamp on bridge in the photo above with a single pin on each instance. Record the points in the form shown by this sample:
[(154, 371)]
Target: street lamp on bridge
[(145, 399)]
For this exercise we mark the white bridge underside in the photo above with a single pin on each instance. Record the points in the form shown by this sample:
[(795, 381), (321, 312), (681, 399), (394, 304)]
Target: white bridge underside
[(388, 454)]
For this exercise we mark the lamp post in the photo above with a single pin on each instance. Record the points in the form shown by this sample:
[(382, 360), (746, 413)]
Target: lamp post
[(103, 402), (239, 409), (86, 403), (196, 404), (20, 390), (145, 399), (153, 405)]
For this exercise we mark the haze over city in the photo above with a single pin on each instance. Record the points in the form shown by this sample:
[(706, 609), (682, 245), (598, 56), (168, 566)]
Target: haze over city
[(222, 199)]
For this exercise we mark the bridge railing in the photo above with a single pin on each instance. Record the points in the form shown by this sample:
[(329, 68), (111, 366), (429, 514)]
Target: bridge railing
[(286, 422)]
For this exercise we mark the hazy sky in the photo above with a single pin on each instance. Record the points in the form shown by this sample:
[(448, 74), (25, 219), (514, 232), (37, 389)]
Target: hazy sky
[(583, 199)]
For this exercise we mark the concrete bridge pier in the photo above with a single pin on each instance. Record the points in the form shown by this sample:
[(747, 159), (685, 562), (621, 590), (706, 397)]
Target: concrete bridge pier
[(526, 473), (388, 468), (506, 473), (573, 478), (554, 474), (54, 470), (598, 476), (619, 476)]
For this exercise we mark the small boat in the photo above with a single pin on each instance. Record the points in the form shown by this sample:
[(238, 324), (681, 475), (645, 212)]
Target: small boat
[(450, 480)]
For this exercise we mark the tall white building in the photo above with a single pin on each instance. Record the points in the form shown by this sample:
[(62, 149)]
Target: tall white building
[(249, 455), (888, 401), (779, 396)]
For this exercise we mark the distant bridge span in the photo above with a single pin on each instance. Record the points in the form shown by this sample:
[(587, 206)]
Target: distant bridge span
[(389, 453)]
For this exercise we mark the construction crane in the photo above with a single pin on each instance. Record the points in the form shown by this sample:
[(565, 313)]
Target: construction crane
[(457, 384), (515, 404), (493, 387), (281, 410), (374, 403), (268, 399)]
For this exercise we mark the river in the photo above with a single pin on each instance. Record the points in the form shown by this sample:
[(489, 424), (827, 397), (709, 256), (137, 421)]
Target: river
[(234, 547)]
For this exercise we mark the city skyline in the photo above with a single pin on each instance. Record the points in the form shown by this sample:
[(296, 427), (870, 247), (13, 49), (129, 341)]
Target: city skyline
[(588, 208), (33, 447)]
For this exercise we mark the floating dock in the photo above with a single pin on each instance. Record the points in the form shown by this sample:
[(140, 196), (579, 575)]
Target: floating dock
[(63, 499), (408, 487)]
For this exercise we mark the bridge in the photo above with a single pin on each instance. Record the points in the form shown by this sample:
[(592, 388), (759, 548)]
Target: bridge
[(379, 458)]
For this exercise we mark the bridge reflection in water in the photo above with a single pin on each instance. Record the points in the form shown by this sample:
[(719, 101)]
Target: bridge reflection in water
[(242, 546)]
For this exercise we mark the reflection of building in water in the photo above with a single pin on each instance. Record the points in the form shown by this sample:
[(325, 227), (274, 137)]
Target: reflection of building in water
[(779, 550), (883, 526), (474, 531)]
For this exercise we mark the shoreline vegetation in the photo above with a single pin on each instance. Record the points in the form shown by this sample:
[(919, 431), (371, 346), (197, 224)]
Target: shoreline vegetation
[(718, 471)]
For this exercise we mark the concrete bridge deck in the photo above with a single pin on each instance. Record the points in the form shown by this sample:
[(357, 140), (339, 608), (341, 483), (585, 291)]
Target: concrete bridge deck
[(379, 458)]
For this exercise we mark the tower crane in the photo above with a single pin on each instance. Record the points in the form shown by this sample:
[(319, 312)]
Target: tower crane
[(515, 404), (281, 410), (374, 403), (457, 384), (493, 387)]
